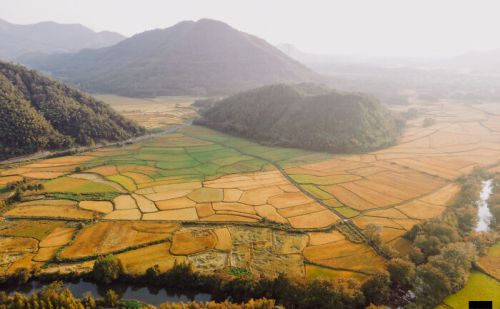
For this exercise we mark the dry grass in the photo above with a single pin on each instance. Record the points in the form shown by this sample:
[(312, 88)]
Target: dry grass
[(108, 237), (124, 202), (134, 262), (44, 211), (185, 214), (124, 214), (321, 238), (98, 206), (60, 236), (318, 219), (192, 241)]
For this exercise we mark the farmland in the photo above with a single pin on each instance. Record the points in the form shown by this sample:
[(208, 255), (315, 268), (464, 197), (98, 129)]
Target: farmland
[(220, 202)]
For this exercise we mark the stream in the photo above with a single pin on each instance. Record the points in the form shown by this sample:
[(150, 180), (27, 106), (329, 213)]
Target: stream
[(150, 295), (483, 211)]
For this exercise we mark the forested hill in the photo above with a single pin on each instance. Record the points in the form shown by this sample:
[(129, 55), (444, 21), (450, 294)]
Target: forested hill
[(38, 113), (306, 116), (189, 58)]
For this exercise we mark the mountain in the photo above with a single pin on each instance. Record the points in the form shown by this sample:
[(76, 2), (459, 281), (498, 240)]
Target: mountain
[(50, 37), (306, 116), (475, 62), (206, 57), (38, 113)]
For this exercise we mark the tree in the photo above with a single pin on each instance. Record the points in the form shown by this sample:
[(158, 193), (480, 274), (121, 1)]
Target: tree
[(111, 298), (377, 289), (153, 273), (372, 232), (107, 269), (431, 286), (402, 272), (22, 275)]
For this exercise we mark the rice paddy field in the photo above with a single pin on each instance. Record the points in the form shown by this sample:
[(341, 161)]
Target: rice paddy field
[(153, 113), (221, 202)]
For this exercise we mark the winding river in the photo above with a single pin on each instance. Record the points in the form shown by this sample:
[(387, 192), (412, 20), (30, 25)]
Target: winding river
[(150, 295), (483, 211)]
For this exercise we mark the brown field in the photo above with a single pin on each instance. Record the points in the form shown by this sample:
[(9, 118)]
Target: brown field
[(98, 206), (319, 219), (394, 188), (134, 263), (45, 254), (108, 237), (224, 240), (322, 273), (124, 202), (152, 113), (192, 241), (59, 237), (420, 210), (185, 214), (5, 180), (339, 248), (321, 238), (124, 214), (45, 211)]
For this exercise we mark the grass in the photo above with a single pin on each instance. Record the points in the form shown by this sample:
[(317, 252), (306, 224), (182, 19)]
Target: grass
[(107, 196), (317, 192), (347, 212), (323, 180), (124, 181), (238, 271), (314, 272), (36, 229), (74, 185), (479, 287)]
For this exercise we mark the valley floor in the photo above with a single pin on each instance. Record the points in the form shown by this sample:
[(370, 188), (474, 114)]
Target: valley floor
[(224, 203)]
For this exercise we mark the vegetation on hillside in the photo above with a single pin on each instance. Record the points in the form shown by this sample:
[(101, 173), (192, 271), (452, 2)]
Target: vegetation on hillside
[(39, 113), (306, 116), (189, 58)]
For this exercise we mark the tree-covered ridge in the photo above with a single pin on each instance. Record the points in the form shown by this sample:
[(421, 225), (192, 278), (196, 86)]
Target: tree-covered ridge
[(306, 116), (205, 57), (38, 113)]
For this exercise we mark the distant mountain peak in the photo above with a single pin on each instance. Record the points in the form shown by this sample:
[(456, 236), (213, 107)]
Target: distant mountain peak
[(201, 57), (49, 37)]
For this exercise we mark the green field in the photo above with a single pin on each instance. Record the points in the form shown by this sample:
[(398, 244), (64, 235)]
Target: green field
[(479, 287)]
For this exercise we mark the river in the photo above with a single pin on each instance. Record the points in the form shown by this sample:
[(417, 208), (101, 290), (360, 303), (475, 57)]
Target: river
[(150, 295), (483, 211)]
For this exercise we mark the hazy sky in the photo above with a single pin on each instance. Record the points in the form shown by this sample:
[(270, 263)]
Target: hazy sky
[(394, 27)]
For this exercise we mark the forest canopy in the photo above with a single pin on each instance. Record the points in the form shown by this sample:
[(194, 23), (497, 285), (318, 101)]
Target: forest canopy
[(306, 116), (39, 113)]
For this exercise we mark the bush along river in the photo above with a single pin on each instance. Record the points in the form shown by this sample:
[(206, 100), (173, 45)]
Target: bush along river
[(127, 291), (483, 211)]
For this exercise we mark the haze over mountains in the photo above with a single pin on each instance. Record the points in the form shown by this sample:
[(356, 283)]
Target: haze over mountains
[(205, 57), (50, 37)]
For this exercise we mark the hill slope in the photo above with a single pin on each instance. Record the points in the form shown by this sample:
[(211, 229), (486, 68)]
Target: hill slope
[(306, 117), (39, 113), (190, 58), (49, 37)]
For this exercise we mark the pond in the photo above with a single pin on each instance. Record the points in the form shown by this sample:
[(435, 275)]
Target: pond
[(151, 295)]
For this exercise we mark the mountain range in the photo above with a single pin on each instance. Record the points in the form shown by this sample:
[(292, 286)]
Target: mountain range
[(205, 57), (50, 37)]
